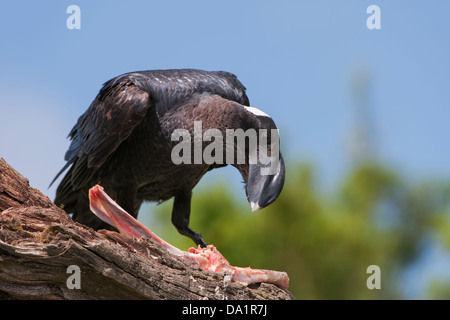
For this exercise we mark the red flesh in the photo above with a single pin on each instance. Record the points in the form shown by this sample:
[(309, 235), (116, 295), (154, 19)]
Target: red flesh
[(208, 258)]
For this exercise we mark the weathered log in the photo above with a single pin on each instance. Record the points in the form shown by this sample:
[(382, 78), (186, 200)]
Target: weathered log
[(39, 242)]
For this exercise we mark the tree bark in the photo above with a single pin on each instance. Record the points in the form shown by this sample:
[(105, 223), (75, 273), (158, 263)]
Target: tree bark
[(39, 242)]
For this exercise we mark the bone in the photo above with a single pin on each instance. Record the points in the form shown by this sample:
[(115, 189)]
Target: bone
[(208, 258), (110, 212)]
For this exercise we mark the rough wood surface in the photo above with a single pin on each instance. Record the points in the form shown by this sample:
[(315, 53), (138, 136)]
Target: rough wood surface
[(39, 241)]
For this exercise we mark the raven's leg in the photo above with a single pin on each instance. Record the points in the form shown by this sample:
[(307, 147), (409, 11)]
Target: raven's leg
[(180, 217)]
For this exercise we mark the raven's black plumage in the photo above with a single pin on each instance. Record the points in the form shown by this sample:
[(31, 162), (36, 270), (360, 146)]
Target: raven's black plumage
[(123, 140)]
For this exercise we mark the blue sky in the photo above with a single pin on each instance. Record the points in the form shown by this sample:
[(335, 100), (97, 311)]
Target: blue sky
[(296, 58)]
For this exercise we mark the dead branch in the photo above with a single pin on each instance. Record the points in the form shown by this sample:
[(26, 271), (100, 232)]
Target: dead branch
[(39, 242)]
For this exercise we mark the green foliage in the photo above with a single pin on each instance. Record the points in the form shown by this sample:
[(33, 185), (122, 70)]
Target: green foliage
[(324, 242)]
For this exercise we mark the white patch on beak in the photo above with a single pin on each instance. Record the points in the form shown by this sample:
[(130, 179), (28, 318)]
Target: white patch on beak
[(255, 206), (257, 112)]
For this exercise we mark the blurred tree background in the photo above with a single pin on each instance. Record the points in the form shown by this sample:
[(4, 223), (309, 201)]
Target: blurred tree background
[(325, 240)]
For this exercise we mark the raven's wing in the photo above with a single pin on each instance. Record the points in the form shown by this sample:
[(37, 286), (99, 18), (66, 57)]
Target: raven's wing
[(121, 105), (109, 120), (170, 89)]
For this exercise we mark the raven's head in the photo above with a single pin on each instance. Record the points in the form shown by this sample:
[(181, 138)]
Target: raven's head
[(262, 189), (263, 171)]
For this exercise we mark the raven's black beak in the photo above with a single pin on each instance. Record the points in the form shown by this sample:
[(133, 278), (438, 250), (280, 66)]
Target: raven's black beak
[(263, 189)]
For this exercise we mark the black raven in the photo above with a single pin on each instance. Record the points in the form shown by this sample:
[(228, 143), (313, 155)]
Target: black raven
[(124, 141)]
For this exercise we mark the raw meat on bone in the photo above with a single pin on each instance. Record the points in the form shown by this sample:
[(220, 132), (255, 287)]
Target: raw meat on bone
[(208, 258)]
